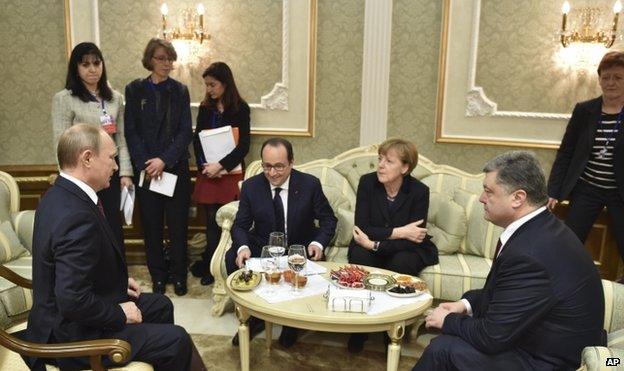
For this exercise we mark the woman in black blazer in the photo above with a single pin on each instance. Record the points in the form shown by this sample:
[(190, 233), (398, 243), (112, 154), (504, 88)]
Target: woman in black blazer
[(390, 218), (222, 106), (588, 168), (158, 133)]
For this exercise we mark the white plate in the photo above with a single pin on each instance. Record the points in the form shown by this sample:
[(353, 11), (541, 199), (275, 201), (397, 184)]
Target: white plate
[(397, 295)]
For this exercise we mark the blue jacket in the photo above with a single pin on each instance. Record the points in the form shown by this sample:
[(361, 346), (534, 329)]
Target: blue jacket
[(146, 134)]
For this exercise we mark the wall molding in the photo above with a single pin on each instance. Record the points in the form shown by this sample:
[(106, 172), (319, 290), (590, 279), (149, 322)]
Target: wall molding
[(464, 113), (477, 101)]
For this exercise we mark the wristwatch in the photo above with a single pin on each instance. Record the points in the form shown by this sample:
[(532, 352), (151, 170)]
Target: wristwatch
[(375, 246)]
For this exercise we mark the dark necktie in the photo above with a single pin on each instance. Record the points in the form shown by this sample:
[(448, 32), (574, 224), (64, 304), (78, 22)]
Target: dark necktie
[(101, 208), (278, 206), (499, 245)]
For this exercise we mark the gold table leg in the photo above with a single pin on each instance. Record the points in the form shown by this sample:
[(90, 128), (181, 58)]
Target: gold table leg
[(243, 337), (268, 330), (394, 347)]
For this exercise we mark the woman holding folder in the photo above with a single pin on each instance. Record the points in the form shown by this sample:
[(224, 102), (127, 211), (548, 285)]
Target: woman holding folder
[(217, 182)]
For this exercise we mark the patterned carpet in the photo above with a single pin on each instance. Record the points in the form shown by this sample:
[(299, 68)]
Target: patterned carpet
[(313, 351)]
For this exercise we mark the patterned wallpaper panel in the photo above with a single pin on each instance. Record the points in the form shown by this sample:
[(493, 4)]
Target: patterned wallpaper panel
[(338, 83), (413, 79), (246, 34), (521, 65), (32, 69)]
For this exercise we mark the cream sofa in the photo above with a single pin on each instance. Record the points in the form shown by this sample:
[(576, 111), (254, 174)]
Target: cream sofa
[(595, 358), (466, 241)]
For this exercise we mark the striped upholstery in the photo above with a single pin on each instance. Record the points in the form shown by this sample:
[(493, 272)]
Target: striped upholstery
[(456, 274), (594, 358)]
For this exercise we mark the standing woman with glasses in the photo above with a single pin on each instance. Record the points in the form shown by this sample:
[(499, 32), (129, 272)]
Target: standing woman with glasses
[(221, 106), (589, 167), (88, 99), (158, 132)]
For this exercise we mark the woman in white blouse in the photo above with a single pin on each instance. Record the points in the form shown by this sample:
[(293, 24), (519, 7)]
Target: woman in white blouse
[(87, 98)]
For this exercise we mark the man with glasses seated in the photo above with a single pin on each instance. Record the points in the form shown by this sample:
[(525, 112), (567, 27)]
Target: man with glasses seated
[(284, 200)]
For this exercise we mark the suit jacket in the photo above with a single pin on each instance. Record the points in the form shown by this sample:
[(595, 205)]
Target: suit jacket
[(576, 147), (543, 296), (255, 218), (146, 133), (373, 217), (79, 269)]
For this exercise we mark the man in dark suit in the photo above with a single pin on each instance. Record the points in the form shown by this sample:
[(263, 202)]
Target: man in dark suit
[(280, 199), (81, 287), (542, 302)]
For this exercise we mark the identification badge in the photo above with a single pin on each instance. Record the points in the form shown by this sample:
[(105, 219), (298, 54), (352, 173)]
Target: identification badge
[(108, 124)]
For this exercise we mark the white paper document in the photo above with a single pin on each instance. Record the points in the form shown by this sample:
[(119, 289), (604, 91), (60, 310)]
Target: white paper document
[(218, 143), (164, 185), (127, 203)]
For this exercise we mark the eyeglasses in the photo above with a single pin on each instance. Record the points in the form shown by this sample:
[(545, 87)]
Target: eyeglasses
[(279, 167), (164, 59)]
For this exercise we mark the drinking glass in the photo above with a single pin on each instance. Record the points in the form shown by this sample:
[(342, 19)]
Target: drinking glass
[(297, 262), (271, 273), (277, 241)]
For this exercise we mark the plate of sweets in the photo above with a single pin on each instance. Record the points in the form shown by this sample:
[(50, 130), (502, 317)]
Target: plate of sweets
[(349, 277), (406, 286), (245, 280)]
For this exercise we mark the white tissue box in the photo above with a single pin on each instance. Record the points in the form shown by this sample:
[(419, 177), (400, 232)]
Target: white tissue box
[(346, 300)]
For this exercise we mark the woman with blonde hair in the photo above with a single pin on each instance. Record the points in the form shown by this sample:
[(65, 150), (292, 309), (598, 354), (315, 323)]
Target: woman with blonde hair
[(391, 208)]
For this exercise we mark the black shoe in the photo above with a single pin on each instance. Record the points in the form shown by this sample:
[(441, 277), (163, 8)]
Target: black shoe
[(207, 280), (288, 337), (158, 287), (356, 343), (199, 268), (179, 287), (256, 326)]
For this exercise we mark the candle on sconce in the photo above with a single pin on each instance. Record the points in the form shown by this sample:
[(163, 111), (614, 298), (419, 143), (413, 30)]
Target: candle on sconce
[(164, 10), (617, 8), (200, 11), (565, 9)]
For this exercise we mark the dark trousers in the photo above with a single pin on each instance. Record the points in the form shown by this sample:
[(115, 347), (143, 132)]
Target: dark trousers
[(586, 202), (213, 234), (157, 208), (447, 352), (111, 197), (406, 262), (156, 340)]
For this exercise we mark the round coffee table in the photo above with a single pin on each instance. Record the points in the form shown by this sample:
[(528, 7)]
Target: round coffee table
[(311, 313)]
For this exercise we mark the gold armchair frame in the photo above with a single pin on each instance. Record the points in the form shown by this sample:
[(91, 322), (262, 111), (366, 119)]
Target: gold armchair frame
[(117, 350)]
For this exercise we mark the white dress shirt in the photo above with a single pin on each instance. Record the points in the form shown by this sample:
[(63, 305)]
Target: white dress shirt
[(284, 196), (84, 186), (504, 237)]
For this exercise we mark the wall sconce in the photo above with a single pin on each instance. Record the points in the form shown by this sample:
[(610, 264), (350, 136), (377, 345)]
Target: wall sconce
[(190, 25), (588, 30)]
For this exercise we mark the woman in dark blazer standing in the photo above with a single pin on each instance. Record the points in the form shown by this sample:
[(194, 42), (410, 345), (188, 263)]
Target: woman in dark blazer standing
[(391, 217), (588, 170), (222, 106), (158, 133)]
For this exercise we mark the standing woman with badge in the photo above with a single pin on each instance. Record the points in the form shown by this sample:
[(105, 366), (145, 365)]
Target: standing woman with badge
[(589, 167), (215, 185), (158, 132), (88, 99)]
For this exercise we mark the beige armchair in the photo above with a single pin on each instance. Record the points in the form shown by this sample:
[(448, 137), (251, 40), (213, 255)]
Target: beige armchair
[(595, 358)]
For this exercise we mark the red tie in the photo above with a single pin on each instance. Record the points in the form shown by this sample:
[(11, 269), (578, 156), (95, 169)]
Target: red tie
[(99, 205), (498, 249)]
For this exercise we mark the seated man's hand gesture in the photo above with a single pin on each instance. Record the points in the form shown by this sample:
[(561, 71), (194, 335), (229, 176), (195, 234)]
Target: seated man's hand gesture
[(242, 256), (134, 290), (132, 312)]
